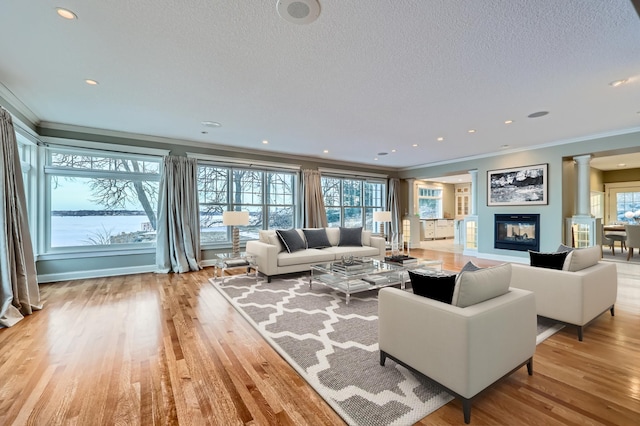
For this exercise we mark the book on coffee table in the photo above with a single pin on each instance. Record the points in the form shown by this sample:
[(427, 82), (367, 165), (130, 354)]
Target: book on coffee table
[(401, 260)]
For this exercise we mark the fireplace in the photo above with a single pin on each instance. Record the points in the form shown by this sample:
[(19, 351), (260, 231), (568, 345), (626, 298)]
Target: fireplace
[(517, 232)]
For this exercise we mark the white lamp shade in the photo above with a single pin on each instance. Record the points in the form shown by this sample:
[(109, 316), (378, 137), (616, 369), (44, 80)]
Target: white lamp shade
[(234, 218), (628, 215), (384, 216)]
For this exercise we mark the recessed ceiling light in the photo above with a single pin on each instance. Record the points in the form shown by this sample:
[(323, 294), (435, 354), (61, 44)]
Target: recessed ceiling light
[(414, 145), (504, 146), (508, 122), (375, 159), (538, 114), (91, 82), (211, 124), (471, 131), (265, 142), (66, 13), (440, 139), (298, 11), (622, 165), (393, 150), (204, 132), (617, 83), (382, 153), (326, 151)]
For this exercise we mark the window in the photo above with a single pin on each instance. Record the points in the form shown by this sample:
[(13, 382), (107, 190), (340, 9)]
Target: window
[(351, 202), (627, 206), (429, 202), (101, 199), (623, 201), (268, 196)]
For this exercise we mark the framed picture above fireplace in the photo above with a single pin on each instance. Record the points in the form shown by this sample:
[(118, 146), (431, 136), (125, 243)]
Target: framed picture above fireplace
[(518, 186)]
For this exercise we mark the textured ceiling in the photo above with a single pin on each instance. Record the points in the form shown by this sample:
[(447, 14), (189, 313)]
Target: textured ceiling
[(365, 77)]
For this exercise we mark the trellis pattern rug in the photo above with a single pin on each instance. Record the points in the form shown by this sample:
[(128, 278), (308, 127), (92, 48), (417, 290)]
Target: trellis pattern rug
[(333, 346)]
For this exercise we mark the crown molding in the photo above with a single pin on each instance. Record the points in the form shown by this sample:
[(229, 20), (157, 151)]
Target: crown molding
[(19, 107), (220, 147), (530, 148)]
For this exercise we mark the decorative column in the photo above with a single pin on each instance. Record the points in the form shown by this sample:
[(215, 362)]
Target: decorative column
[(582, 228), (583, 203), (474, 192)]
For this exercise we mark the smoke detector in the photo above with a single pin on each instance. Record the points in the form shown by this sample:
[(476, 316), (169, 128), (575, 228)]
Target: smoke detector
[(298, 11)]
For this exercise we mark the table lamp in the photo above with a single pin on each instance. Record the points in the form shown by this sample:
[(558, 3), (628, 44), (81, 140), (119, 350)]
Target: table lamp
[(382, 217), (235, 219)]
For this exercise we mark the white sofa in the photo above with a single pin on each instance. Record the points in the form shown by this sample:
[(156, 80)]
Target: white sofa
[(273, 259), (571, 297), (463, 349)]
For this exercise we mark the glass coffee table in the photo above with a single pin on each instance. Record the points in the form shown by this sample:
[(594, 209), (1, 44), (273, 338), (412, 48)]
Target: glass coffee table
[(226, 261), (363, 274)]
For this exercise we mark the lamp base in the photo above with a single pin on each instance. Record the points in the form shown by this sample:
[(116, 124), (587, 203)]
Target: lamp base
[(235, 242)]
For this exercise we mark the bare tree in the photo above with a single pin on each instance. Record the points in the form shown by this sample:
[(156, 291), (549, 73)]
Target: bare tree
[(112, 193)]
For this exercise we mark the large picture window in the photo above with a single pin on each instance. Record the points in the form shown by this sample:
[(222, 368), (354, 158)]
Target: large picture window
[(351, 202), (268, 195), (101, 199)]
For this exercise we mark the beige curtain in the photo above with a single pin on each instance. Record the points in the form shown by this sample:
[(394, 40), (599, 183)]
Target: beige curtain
[(393, 204), (314, 214), (19, 293), (178, 242)]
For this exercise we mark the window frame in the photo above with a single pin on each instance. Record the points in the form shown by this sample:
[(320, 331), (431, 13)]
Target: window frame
[(419, 197), (264, 206), (96, 150), (366, 210)]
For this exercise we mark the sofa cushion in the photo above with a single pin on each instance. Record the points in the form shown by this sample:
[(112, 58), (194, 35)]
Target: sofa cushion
[(316, 238), (352, 251), (350, 236), (291, 240), (583, 258), (547, 260), (434, 286), (304, 257), (482, 284)]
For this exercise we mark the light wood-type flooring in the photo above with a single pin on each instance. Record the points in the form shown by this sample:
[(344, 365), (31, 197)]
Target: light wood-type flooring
[(168, 349)]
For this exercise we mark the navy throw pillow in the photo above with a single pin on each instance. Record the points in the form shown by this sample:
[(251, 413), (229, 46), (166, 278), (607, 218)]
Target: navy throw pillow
[(350, 237), (547, 260), (437, 287), (291, 240), (316, 238)]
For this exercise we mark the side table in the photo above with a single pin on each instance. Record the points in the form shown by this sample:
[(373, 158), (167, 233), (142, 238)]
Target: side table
[(229, 261)]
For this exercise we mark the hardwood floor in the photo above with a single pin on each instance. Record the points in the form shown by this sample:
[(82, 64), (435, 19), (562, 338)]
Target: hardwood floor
[(168, 349)]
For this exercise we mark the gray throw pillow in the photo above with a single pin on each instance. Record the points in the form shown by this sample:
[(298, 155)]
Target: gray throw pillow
[(350, 237), (316, 238), (469, 266), (291, 240)]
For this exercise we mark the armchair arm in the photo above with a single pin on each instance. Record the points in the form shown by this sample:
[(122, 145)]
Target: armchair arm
[(266, 256), (464, 349)]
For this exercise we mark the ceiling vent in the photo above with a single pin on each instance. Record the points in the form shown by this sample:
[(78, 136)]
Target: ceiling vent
[(298, 11)]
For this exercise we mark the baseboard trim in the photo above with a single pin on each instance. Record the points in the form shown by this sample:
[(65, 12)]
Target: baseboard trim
[(96, 273)]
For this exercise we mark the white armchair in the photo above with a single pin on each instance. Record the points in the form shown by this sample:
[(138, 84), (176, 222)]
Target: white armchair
[(464, 350)]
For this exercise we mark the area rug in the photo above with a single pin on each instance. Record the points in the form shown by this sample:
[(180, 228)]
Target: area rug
[(333, 346)]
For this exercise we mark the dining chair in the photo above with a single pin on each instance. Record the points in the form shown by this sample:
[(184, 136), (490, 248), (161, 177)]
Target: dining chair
[(614, 236), (633, 239), (606, 242)]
